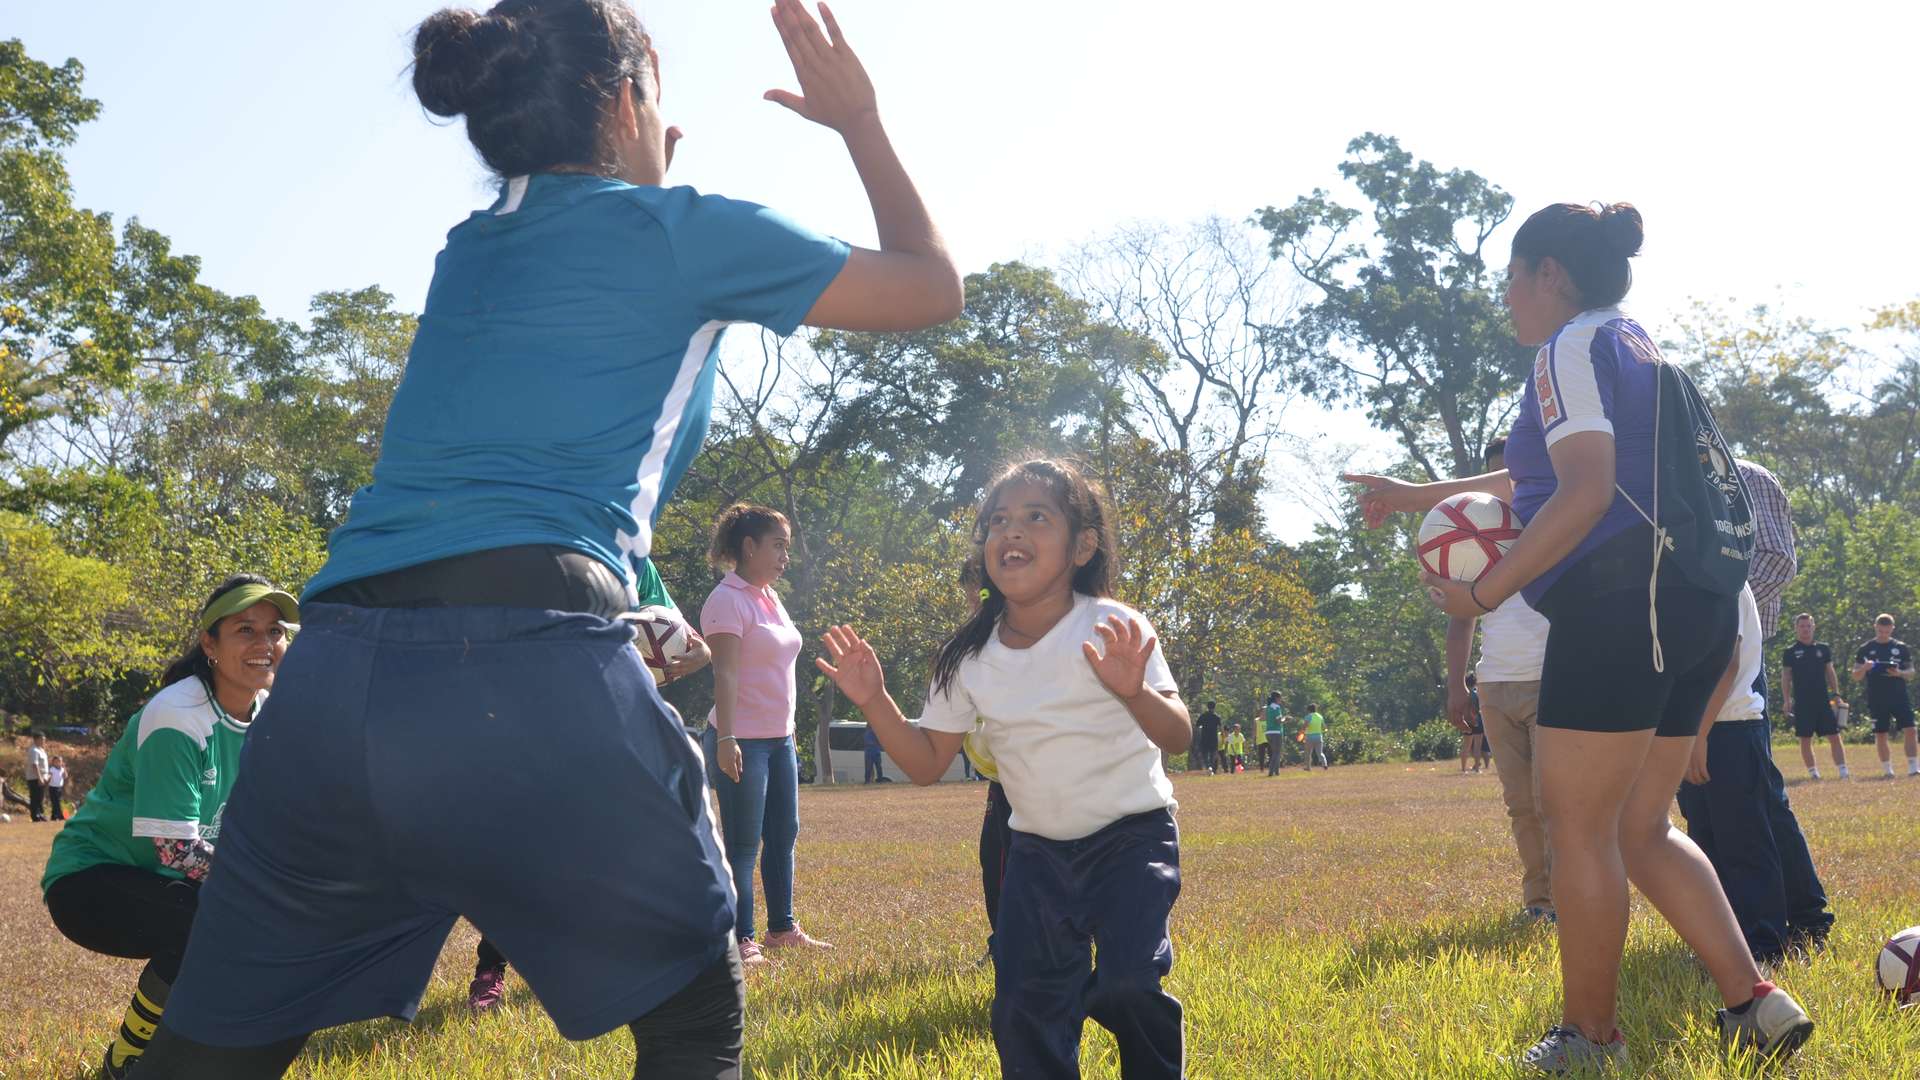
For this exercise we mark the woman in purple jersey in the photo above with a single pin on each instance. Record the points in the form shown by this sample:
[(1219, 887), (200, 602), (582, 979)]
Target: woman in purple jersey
[(1617, 717)]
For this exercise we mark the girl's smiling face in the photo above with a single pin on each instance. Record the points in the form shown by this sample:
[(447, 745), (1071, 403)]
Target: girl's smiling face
[(1031, 547)]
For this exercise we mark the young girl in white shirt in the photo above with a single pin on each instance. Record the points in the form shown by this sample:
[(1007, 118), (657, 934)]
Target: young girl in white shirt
[(1077, 703)]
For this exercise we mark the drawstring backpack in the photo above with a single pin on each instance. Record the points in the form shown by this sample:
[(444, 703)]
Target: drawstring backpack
[(1705, 524)]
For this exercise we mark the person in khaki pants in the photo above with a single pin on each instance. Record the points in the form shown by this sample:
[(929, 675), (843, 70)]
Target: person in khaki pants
[(1513, 645)]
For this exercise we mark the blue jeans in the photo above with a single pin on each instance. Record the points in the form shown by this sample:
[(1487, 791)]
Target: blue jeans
[(1061, 903), (1742, 821), (873, 767), (762, 809)]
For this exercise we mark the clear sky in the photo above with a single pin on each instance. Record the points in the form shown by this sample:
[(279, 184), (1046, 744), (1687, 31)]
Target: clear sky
[(1771, 147)]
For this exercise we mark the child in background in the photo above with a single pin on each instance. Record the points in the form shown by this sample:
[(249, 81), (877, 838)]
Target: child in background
[(57, 787), (1236, 749), (1316, 730), (1078, 706)]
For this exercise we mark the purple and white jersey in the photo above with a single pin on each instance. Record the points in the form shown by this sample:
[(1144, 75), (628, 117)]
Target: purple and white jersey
[(1599, 372)]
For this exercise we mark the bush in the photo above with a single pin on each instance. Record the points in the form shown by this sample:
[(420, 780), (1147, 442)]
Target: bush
[(1435, 740), (1355, 745)]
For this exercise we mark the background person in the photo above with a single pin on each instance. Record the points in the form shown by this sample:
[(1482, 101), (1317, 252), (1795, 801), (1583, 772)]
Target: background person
[(1274, 745), (1885, 664), (57, 788), (1809, 685), (1315, 728), (1206, 741), (38, 767), (124, 875), (751, 760)]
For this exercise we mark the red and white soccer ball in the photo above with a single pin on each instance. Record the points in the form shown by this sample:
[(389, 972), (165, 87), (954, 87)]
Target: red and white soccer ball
[(1898, 971), (662, 637), (1466, 534)]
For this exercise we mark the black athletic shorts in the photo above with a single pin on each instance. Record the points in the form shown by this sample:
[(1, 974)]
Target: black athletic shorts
[(1815, 717), (1894, 715), (1598, 674)]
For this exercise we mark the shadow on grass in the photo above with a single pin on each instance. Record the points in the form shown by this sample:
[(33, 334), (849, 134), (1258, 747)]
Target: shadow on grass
[(913, 1022), (1495, 935)]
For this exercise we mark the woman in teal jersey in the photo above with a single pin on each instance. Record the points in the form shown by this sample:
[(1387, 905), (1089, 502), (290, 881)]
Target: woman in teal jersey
[(557, 388), (124, 875)]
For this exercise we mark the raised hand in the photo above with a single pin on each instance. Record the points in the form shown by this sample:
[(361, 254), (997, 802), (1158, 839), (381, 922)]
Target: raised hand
[(1122, 668), (855, 668), (834, 88), (1384, 495)]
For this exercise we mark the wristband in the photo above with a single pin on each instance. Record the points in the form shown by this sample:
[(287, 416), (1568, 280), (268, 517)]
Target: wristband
[(1475, 597), (727, 738)]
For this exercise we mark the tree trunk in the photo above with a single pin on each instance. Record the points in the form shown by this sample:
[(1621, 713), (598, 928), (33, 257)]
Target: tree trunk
[(822, 740)]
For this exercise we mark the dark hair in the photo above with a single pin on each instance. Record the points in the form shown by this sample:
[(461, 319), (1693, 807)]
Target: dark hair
[(1315, 707), (194, 662), (1209, 705), (736, 523), (1883, 619), (532, 77), (1273, 697), (1497, 445), (1593, 243), (1085, 508)]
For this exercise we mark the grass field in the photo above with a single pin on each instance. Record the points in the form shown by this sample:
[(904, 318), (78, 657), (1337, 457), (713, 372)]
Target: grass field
[(1354, 923)]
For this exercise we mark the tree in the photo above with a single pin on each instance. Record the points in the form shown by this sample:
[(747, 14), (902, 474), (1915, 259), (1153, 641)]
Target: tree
[(67, 620), (1410, 325)]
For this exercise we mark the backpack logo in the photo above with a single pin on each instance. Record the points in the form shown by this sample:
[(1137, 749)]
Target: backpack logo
[(1715, 464)]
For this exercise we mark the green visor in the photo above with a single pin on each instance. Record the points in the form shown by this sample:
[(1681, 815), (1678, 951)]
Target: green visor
[(238, 600)]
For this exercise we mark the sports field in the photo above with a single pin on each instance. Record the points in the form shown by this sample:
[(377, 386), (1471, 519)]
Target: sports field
[(1352, 923)]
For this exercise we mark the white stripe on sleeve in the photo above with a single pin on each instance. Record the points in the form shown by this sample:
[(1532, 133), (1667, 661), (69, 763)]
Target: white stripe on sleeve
[(166, 830)]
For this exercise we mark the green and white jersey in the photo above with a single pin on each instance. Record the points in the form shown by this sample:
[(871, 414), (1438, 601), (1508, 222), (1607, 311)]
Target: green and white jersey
[(649, 587), (167, 778)]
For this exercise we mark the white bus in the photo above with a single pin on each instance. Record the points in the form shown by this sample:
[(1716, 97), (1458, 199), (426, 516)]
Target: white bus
[(849, 741)]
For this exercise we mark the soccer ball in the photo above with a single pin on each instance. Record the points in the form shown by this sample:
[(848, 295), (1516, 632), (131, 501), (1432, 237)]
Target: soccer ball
[(1465, 535), (662, 637), (1898, 971)]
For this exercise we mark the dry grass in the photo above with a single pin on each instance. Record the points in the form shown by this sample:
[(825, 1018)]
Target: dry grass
[(1355, 923)]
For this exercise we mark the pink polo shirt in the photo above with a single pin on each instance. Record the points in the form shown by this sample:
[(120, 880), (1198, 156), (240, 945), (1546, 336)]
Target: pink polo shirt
[(769, 644)]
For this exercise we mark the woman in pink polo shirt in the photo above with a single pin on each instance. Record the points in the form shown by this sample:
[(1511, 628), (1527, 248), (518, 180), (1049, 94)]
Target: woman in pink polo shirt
[(749, 737)]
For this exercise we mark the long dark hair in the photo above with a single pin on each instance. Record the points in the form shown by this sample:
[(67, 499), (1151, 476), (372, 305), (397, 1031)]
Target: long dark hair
[(1085, 508), (1593, 243), (194, 662), (532, 77)]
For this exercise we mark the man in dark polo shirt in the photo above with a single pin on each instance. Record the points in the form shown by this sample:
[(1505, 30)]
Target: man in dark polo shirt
[(1885, 664), (1808, 685)]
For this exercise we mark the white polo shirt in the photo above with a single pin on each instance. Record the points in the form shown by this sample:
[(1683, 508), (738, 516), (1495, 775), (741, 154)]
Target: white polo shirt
[(1513, 643), (1743, 703), (1072, 758)]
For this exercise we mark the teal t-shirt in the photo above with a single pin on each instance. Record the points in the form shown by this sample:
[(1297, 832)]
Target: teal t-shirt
[(1276, 717), (561, 378), (167, 778)]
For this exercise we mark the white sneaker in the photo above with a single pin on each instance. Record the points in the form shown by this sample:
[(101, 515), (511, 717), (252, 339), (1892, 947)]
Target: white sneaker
[(1813, 774), (1773, 1026)]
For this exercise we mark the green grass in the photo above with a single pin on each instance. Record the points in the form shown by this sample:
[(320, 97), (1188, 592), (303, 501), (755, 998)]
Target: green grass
[(1351, 924)]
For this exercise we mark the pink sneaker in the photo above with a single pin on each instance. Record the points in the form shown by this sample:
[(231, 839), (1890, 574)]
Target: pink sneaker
[(781, 939), (751, 953), (487, 991)]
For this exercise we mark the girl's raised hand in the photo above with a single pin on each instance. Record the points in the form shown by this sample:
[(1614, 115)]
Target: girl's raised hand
[(855, 668), (1123, 667), (834, 88)]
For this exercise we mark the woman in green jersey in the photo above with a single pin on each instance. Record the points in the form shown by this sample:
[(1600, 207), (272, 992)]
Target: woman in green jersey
[(124, 876)]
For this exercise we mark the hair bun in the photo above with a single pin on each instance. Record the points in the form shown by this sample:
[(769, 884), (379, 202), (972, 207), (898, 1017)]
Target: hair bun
[(463, 60), (1620, 224)]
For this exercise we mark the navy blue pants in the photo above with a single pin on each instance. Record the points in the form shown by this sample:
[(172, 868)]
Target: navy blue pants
[(1742, 821), (1060, 901), (364, 821), (873, 770)]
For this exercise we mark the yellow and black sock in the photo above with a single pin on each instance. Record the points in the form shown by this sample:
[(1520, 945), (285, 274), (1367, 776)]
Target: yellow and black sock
[(142, 1019)]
